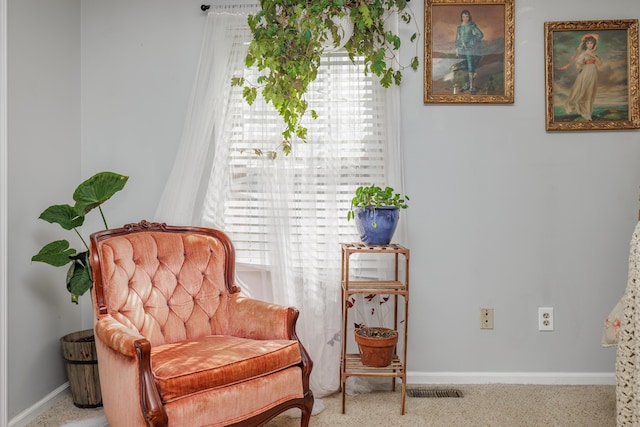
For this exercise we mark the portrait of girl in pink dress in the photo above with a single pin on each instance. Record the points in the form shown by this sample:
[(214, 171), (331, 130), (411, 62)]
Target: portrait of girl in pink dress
[(583, 92), (591, 75), (591, 86)]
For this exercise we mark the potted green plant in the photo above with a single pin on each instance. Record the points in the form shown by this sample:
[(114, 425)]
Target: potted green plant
[(290, 36), (376, 212), (78, 348)]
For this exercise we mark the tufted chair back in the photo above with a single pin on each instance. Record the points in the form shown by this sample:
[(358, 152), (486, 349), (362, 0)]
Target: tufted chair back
[(168, 287)]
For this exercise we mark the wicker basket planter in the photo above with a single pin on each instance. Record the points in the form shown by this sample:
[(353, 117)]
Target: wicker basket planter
[(81, 363)]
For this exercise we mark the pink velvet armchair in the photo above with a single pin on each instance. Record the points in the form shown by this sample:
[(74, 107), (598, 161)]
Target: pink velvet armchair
[(178, 344)]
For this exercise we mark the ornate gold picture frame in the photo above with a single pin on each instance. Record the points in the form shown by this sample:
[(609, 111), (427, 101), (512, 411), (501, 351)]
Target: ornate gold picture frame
[(468, 51), (591, 75)]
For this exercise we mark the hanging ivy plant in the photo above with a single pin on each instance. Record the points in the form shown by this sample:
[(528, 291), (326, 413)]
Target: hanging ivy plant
[(290, 36)]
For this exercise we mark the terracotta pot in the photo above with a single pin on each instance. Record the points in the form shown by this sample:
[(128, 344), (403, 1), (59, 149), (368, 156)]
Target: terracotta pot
[(376, 345)]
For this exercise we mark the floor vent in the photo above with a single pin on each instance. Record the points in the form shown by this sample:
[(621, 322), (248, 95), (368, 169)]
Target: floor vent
[(434, 392)]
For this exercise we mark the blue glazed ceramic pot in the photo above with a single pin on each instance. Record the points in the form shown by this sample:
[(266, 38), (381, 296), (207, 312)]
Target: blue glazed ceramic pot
[(376, 226)]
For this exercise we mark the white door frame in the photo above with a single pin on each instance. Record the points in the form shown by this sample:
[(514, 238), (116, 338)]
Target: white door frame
[(4, 395)]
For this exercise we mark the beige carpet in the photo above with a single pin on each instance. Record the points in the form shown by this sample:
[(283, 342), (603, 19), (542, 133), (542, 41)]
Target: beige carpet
[(481, 405)]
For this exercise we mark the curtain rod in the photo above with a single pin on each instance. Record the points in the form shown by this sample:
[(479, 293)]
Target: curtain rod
[(206, 7)]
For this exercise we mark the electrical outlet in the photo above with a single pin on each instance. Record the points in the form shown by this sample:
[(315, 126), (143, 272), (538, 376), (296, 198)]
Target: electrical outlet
[(545, 318), (486, 318)]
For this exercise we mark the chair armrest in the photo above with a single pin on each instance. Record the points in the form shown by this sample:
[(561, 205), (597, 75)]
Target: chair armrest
[(261, 320), (152, 406), (134, 346), (117, 336)]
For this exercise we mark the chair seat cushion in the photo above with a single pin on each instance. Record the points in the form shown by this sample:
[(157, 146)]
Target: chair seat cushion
[(190, 366)]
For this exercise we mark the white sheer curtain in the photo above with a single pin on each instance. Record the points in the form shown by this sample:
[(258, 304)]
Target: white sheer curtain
[(285, 216), (222, 54)]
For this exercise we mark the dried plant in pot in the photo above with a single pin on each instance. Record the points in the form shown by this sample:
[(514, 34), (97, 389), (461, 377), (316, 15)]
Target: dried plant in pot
[(376, 344)]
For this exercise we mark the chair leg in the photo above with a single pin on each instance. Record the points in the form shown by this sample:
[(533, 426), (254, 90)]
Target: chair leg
[(307, 409), (306, 417)]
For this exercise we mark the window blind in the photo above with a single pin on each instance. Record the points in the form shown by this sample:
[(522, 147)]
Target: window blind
[(345, 149)]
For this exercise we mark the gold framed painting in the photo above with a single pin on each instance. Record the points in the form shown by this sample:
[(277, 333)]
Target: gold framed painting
[(468, 51), (591, 75)]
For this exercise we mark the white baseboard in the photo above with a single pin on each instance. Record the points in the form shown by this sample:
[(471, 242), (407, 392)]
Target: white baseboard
[(554, 378), (31, 413)]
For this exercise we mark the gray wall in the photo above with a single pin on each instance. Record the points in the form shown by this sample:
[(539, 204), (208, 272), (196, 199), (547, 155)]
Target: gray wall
[(138, 65), (507, 215), (503, 214), (44, 167)]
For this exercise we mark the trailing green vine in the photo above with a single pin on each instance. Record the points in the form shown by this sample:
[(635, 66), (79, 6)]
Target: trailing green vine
[(290, 36)]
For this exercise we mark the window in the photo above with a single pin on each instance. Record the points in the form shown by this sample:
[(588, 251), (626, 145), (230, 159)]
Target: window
[(345, 149)]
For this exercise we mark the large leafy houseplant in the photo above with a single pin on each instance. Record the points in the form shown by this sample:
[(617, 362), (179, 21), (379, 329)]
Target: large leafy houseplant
[(290, 36), (89, 195)]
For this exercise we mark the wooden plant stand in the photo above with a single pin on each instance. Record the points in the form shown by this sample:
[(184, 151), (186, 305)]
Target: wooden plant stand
[(351, 365)]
